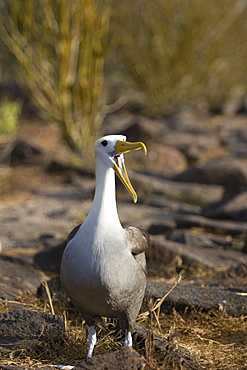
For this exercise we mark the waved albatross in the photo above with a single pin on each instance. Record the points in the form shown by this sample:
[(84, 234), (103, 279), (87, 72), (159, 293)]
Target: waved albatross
[(103, 267)]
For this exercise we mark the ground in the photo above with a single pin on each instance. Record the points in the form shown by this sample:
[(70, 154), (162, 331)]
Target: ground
[(40, 204)]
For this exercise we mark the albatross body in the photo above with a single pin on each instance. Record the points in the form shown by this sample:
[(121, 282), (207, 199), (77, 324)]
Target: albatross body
[(103, 267)]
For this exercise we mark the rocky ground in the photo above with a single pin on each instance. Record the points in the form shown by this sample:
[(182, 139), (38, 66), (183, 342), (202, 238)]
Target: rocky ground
[(192, 190)]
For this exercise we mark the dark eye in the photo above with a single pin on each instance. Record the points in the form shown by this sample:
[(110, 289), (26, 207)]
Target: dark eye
[(104, 142)]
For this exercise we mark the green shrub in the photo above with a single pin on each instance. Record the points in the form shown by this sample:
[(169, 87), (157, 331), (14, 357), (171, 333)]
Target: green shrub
[(59, 49), (9, 117)]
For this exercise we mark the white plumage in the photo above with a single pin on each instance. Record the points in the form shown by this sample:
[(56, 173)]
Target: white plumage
[(103, 267)]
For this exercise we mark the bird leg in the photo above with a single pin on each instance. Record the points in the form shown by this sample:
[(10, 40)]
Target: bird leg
[(128, 339), (92, 341)]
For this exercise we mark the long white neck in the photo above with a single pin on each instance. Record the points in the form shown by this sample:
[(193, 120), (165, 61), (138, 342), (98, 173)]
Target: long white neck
[(104, 208)]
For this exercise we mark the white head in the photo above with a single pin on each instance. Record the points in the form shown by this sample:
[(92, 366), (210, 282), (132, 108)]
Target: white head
[(110, 150)]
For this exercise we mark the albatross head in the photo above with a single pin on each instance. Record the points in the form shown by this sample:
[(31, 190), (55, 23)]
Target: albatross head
[(111, 150)]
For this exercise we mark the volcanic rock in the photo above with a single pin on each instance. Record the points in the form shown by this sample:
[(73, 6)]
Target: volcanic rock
[(125, 358), (18, 327)]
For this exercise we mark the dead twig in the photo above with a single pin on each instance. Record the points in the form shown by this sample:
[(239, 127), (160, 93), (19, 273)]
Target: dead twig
[(159, 301), (49, 297)]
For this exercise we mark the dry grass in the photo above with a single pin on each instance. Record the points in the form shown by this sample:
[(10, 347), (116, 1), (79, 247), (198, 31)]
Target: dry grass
[(217, 342), (214, 340), (174, 53)]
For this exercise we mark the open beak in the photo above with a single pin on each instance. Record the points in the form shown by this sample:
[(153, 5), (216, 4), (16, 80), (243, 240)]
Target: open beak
[(119, 166)]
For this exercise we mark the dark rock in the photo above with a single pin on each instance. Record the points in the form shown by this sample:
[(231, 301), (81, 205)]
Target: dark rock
[(2, 367), (234, 208), (157, 228), (50, 260), (192, 193), (15, 276), (162, 345), (144, 129), (230, 173), (189, 121), (188, 297), (21, 152), (244, 249), (242, 109), (165, 257), (233, 135), (125, 358), (221, 241), (55, 167), (233, 106), (54, 286), (49, 240), (25, 222), (162, 158), (237, 283), (197, 142), (192, 154), (19, 326), (7, 367), (228, 227), (10, 294), (185, 237), (168, 204)]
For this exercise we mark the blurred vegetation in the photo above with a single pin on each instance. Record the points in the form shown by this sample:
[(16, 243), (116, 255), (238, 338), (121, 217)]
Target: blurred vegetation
[(59, 48), (9, 116), (161, 55), (170, 53)]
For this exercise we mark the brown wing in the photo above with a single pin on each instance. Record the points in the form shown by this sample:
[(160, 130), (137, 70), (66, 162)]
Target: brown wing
[(139, 241)]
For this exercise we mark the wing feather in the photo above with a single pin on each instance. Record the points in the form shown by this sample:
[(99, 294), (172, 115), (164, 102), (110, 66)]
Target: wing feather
[(139, 241)]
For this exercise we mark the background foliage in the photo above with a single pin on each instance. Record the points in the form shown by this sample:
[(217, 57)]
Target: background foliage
[(161, 55), (174, 53), (58, 48)]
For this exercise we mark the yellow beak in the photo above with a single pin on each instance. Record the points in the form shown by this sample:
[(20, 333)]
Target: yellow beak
[(125, 147)]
